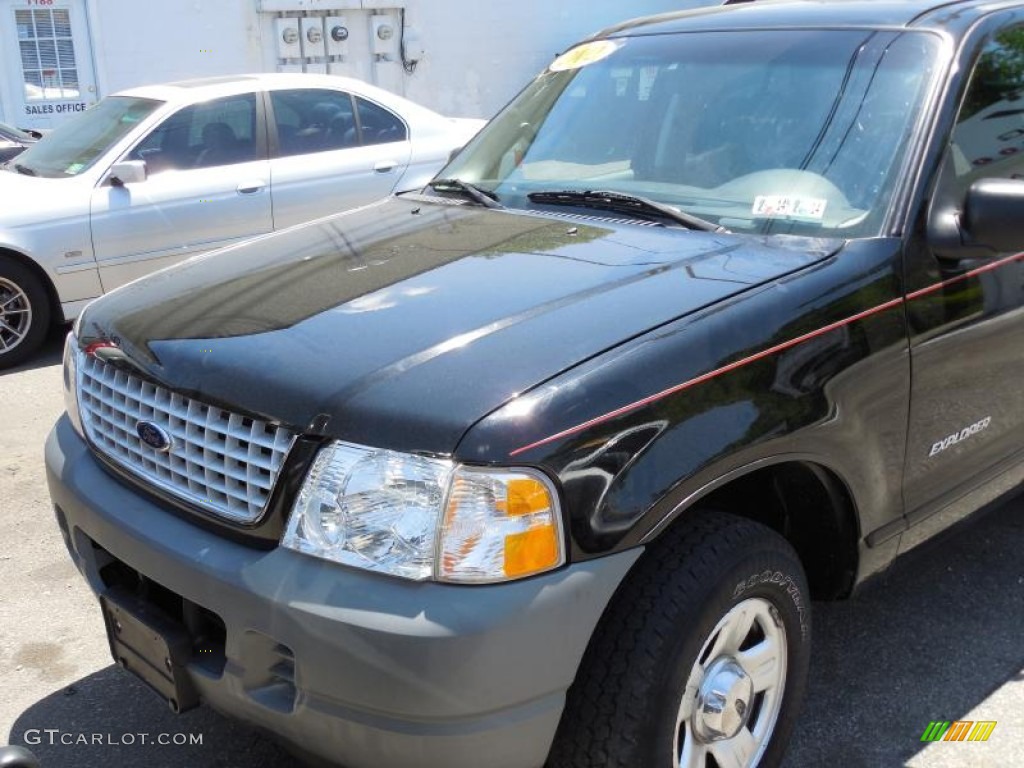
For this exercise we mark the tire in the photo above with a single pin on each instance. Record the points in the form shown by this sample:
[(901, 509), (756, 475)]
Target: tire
[(24, 312), (686, 600)]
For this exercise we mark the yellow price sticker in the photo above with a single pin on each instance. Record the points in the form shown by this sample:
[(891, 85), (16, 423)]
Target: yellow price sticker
[(584, 55)]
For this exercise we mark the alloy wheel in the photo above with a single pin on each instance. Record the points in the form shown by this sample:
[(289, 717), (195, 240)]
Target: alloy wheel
[(15, 315), (734, 690)]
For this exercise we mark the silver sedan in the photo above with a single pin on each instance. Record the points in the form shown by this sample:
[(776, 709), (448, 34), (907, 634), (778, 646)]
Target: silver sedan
[(153, 175)]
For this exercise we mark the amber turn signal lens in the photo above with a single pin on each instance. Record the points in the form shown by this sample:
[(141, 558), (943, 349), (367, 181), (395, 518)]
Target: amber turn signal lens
[(531, 552), (499, 525), (526, 496)]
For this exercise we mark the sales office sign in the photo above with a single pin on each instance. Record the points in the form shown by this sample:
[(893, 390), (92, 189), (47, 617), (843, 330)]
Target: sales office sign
[(58, 108), (52, 71)]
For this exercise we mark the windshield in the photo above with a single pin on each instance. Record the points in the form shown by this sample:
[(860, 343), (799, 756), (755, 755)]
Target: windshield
[(766, 132), (77, 144)]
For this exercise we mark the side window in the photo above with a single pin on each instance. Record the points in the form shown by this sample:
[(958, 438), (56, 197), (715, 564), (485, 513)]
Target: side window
[(379, 126), (218, 132), (988, 140), (313, 121)]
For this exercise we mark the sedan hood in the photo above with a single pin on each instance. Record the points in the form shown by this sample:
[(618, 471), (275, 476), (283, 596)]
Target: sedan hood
[(403, 323), (27, 200)]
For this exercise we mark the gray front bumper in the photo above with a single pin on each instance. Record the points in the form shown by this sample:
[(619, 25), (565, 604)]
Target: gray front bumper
[(387, 672)]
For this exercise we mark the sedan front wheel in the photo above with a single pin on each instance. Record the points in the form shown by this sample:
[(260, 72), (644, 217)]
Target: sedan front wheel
[(24, 312)]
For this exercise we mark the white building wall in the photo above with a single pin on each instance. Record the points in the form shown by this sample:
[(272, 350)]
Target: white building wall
[(476, 54), (138, 43), (479, 53)]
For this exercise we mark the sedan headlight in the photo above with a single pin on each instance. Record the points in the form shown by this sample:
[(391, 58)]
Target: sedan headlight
[(71, 383), (422, 518)]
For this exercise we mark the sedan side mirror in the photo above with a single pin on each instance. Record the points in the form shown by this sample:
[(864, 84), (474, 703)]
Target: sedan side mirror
[(127, 172), (993, 214)]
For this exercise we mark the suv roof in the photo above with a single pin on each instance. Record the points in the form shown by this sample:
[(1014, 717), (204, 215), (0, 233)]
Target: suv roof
[(929, 14)]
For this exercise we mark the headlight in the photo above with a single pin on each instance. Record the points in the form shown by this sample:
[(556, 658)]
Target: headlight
[(423, 518), (71, 383), (372, 509)]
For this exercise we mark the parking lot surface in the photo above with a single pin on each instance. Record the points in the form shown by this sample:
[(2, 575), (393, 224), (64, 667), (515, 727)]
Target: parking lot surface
[(939, 637)]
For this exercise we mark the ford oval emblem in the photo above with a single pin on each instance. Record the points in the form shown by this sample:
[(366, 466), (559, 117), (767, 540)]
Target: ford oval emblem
[(155, 437)]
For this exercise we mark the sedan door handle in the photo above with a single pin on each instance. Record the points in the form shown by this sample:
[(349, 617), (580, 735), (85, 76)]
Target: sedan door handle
[(385, 166), (251, 187)]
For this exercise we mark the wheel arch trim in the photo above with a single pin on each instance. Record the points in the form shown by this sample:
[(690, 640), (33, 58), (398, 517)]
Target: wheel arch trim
[(692, 499)]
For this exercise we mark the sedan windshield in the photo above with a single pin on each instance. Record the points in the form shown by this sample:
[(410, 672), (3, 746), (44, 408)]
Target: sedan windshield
[(78, 143), (800, 132)]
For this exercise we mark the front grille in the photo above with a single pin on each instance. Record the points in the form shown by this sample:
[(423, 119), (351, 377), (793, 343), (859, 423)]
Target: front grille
[(221, 461)]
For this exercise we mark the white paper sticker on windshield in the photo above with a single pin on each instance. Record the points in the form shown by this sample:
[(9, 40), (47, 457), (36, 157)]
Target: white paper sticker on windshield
[(787, 207), (583, 55)]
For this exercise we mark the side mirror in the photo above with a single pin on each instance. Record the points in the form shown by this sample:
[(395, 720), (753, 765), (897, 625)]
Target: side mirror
[(127, 172), (993, 214)]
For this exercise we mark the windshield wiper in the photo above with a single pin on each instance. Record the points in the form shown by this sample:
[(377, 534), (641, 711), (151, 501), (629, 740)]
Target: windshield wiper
[(620, 203), (24, 169), (479, 196)]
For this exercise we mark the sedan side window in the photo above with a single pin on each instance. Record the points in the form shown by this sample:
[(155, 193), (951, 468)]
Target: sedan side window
[(214, 133), (315, 120), (378, 125), (988, 140)]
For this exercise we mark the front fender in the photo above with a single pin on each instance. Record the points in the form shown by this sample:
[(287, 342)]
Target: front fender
[(61, 252), (815, 364)]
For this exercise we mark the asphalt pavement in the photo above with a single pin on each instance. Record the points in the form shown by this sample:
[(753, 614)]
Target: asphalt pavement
[(939, 637)]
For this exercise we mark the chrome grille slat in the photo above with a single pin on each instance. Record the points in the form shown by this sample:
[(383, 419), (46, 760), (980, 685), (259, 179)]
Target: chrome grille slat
[(222, 461)]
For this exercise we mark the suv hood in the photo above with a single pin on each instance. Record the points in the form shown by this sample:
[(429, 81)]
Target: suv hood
[(401, 324)]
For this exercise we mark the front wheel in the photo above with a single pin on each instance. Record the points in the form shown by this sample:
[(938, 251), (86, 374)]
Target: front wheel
[(701, 659), (24, 312)]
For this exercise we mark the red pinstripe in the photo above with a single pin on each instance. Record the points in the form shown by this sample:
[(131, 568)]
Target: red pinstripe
[(766, 353)]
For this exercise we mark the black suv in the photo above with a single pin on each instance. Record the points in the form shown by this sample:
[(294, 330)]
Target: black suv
[(543, 463)]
